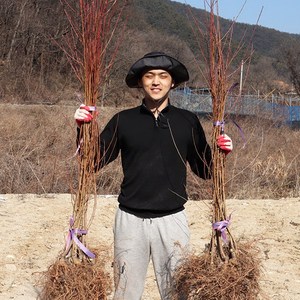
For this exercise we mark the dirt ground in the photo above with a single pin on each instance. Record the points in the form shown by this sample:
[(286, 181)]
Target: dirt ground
[(33, 230)]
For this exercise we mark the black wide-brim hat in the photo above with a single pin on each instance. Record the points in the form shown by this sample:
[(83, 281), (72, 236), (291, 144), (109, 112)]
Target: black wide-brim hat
[(157, 60)]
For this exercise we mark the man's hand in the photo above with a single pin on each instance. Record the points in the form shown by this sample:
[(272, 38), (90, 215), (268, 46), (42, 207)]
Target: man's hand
[(82, 115), (224, 142)]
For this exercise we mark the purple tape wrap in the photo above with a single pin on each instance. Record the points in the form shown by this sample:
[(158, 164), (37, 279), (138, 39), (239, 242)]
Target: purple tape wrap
[(92, 108), (222, 227), (220, 123), (89, 107), (72, 236)]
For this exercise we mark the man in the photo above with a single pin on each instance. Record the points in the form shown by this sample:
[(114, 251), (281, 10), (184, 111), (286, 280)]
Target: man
[(156, 140)]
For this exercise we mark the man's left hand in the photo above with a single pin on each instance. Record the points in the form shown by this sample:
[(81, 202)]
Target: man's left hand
[(224, 142)]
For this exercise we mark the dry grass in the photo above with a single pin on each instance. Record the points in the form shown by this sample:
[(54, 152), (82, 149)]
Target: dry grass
[(38, 151), (268, 165), (38, 147)]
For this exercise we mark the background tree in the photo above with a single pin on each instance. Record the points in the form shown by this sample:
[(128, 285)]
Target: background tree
[(292, 57)]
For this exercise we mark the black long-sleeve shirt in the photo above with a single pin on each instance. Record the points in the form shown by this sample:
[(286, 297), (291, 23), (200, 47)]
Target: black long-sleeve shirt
[(154, 153)]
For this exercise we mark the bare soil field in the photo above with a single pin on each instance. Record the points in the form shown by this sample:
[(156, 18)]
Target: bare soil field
[(34, 228)]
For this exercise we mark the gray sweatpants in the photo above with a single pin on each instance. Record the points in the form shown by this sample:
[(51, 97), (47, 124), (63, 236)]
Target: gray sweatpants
[(136, 240)]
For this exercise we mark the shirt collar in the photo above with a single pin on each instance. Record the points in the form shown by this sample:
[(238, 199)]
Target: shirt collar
[(165, 110)]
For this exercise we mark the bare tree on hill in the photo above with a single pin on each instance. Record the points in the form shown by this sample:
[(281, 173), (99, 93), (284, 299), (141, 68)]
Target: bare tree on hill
[(292, 60)]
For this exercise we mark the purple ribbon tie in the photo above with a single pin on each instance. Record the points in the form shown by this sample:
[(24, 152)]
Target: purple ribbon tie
[(241, 132), (220, 123), (222, 227), (72, 236)]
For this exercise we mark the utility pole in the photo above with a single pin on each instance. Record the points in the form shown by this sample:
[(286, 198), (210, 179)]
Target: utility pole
[(241, 77)]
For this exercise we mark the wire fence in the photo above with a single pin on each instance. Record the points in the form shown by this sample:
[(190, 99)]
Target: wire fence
[(285, 109)]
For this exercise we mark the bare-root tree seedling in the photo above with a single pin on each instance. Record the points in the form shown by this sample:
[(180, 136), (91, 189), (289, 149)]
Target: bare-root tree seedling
[(90, 47), (228, 270)]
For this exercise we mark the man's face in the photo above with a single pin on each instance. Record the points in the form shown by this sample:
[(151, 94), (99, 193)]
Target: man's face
[(156, 84)]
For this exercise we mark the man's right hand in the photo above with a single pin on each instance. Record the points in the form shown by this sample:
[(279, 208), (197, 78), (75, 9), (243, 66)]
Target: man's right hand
[(82, 115)]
